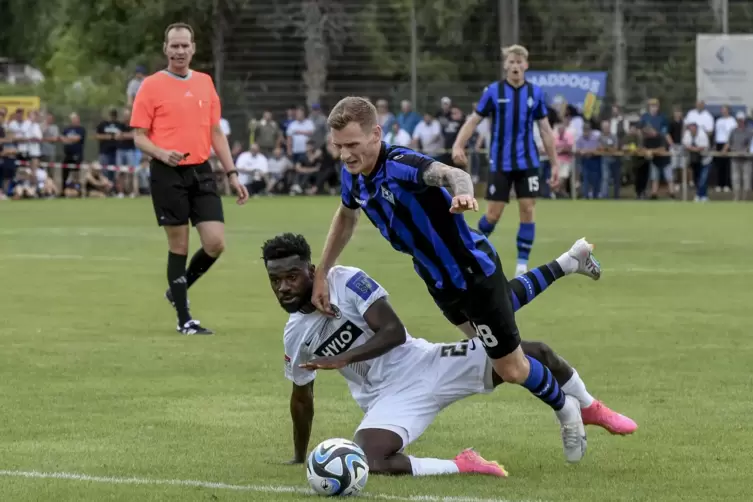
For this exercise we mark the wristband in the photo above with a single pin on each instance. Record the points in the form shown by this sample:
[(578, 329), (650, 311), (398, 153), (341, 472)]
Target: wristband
[(231, 172)]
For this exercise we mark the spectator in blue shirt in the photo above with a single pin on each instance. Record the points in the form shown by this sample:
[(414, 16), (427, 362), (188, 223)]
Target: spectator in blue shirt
[(408, 119), (653, 118), (588, 148)]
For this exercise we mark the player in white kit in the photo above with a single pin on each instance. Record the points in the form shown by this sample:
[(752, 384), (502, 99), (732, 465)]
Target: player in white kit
[(400, 382)]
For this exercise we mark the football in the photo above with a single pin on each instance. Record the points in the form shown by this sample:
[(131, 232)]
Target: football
[(337, 467)]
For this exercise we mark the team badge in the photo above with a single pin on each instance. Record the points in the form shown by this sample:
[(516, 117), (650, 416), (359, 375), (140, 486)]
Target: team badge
[(338, 314), (388, 196), (362, 285)]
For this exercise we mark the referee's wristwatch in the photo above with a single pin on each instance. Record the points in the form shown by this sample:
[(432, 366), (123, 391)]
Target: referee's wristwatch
[(231, 172)]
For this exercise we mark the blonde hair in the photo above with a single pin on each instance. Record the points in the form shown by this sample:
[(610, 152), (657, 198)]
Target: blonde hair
[(352, 109), (517, 50)]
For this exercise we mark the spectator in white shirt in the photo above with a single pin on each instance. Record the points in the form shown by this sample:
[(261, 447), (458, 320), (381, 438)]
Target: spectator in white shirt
[(384, 116), (696, 142), (45, 186), (702, 118), (427, 136), (298, 133), (397, 136), (15, 130), (619, 125), (725, 124), (574, 121), (280, 168), (32, 131), (253, 170)]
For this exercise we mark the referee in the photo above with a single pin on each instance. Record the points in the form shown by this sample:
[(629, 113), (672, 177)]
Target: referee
[(514, 106), (176, 121)]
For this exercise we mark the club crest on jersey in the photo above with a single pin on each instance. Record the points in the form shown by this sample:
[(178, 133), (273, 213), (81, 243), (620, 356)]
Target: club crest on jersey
[(362, 285), (339, 341), (387, 195), (338, 314), (530, 102)]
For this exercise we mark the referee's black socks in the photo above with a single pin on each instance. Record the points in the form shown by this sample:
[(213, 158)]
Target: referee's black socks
[(200, 263), (176, 278)]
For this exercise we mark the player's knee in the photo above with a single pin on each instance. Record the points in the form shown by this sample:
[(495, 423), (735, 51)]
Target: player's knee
[(494, 211), (541, 352), (527, 210), (178, 247), (214, 247), (377, 465), (513, 369)]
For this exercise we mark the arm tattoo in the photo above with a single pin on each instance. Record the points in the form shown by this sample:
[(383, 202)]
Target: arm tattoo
[(441, 175)]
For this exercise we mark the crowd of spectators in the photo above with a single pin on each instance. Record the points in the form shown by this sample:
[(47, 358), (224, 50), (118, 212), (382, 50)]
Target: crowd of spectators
[(292, 155), (651, 149)]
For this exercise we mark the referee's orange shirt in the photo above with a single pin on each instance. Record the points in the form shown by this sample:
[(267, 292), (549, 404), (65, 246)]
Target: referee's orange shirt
[(178, 112)]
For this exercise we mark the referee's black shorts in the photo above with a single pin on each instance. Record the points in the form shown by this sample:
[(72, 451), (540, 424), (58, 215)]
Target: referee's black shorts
[(184, 193), (487, 305)]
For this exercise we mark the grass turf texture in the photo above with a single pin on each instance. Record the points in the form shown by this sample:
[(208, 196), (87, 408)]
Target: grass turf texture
[(96, 381)]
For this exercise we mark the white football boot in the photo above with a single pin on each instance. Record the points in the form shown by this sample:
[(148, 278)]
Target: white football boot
[(574, 442), (588, 265)]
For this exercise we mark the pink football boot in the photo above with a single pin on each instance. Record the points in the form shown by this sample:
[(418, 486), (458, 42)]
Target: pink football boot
[(470, 462), (615, 423)]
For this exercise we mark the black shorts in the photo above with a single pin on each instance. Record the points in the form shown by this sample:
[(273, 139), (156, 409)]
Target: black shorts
[(487, 306), (184, 193), (526, 185)]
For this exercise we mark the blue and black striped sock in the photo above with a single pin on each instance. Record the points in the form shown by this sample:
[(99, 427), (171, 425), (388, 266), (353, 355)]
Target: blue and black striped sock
[(524, 288), (543, 385), (526, 235), (485, 226)]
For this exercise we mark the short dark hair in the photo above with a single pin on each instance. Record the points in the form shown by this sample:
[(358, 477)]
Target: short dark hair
[(178, 26), (286, 245)]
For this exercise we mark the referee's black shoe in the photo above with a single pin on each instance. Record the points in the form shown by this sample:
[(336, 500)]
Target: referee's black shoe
[(169, 297), (194, 327)]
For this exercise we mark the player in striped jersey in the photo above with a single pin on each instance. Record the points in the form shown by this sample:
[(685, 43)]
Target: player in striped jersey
[(514, 104), (406, 196), (400, 382)]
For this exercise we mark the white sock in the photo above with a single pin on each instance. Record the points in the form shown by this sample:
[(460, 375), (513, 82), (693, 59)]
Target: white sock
[(577, 388), (568, 263), (432, 466)]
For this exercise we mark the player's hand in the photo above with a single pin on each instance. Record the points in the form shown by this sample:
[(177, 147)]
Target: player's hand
[(459, 157), (239, 189), (320, 294), (463, 203), (554, 181), (171, 157), (325, 363)]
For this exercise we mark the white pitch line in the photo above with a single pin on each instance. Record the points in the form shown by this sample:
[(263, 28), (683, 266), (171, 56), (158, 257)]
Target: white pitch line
[(629, 269), (224, 486)]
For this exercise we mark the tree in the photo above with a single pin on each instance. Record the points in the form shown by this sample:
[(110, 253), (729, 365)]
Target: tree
[(323, 26)]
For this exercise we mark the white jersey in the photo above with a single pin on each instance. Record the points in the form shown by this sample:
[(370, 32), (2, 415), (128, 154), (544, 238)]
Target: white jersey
[(308, 336)]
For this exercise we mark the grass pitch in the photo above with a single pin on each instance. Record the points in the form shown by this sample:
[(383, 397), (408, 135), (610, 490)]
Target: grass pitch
[(95, 382)]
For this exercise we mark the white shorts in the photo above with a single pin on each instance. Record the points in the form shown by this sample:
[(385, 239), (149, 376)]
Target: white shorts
[(455, 371)]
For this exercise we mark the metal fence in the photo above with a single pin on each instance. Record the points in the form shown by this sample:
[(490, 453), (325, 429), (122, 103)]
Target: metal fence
[(423, 49)]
